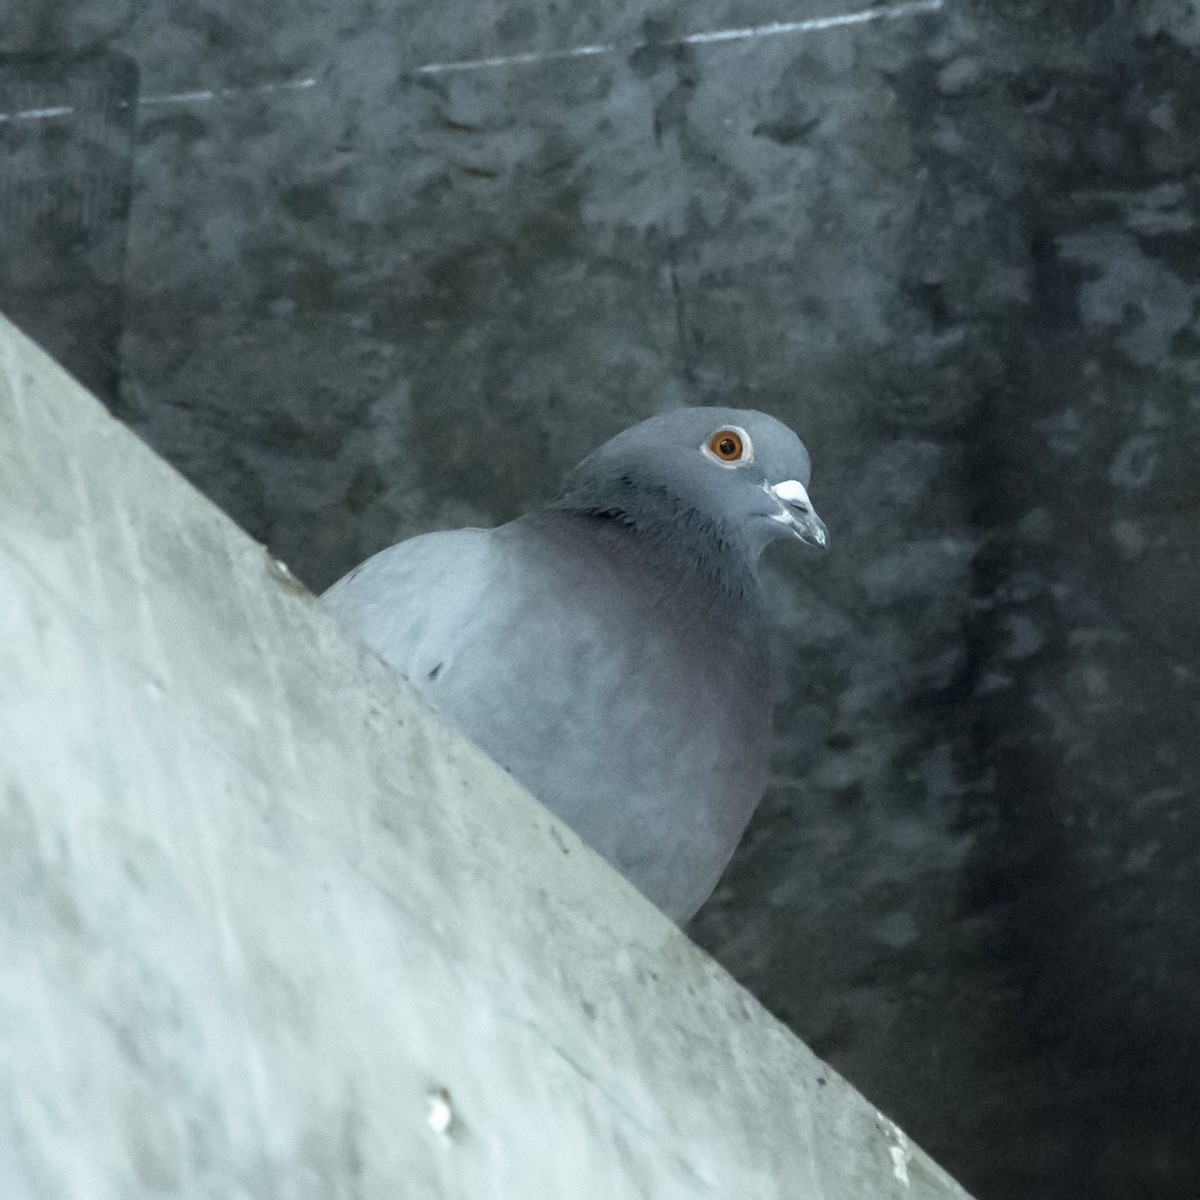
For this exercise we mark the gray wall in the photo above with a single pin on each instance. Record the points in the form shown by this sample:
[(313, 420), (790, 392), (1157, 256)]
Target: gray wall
[(956, 250)]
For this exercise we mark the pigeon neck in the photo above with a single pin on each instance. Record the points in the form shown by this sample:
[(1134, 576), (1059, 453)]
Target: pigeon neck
[(672, 543)]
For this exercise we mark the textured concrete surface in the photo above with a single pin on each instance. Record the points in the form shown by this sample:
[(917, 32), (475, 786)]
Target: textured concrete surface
[(957, 250), (268, 928)]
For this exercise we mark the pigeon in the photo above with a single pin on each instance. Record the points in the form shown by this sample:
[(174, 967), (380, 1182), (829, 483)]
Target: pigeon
[(610, 650)]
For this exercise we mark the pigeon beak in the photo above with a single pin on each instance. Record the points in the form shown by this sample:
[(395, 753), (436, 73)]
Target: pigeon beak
[(797, 512)]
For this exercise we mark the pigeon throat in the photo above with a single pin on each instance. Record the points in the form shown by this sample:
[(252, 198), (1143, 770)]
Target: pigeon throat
[(674, 543)]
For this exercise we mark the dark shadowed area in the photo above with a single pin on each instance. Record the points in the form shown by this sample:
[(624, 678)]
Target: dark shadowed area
[(357, 286)]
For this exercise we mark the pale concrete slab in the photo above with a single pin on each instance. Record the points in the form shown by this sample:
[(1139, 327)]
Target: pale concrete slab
[(269, 929)]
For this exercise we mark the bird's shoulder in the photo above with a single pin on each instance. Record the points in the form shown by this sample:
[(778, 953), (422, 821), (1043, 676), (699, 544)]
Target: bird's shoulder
[(409, 599), (420, 602)]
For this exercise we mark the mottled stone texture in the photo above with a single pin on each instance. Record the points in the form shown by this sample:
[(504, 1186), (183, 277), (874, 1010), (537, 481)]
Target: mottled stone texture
[(959, 252), (66, 153)]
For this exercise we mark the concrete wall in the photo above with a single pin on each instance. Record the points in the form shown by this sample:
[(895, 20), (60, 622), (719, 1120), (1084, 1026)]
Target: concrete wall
[(267, 928)]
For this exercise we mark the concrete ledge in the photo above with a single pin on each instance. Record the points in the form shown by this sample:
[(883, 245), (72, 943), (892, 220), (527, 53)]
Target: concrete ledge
[(269, 929)]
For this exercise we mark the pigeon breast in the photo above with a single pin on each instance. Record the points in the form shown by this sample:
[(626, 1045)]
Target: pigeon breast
[(631, 697)]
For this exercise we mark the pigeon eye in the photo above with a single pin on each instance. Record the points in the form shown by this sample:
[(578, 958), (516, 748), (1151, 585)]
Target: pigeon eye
[(726, 444)]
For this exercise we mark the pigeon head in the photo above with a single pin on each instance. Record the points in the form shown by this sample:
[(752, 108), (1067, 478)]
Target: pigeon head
[(736, 475)]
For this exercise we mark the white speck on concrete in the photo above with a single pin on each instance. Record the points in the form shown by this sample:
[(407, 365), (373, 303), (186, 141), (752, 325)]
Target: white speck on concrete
[(440, 1116)]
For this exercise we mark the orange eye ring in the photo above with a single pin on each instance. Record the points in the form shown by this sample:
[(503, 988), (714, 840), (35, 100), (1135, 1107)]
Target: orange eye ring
[(727, 445)]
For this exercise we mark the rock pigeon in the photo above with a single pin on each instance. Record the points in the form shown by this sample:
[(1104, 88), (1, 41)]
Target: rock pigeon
[(610, 650)]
